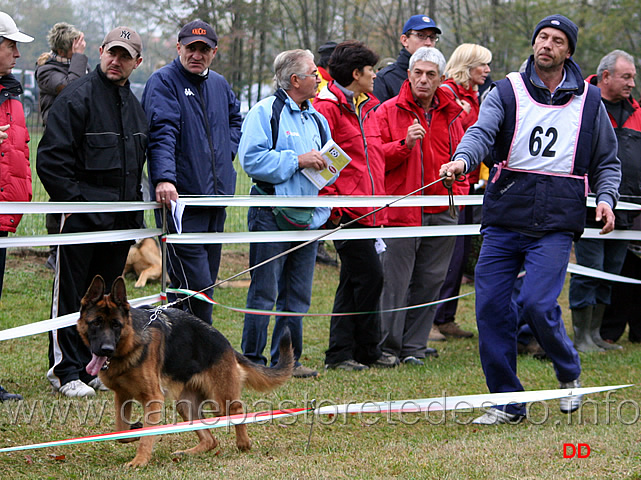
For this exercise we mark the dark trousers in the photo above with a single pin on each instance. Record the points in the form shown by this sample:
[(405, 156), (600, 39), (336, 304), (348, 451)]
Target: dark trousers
[(359, 289), (625, 304), (195, 266), (446, 312), (77, 265), (604, 255)]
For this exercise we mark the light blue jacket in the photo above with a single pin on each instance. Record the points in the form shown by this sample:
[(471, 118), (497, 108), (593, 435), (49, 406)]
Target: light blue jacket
[(298, 134)]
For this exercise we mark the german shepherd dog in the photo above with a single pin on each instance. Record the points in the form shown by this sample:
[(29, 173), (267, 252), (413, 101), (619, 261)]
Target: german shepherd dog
[(145, 261), (143, 355)]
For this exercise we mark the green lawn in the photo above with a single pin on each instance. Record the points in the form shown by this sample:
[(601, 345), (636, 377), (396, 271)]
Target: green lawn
[(364, 447)]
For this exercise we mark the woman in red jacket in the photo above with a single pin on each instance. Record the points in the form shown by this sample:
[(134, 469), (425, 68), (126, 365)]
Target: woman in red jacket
[(467, 69), (348, 105)]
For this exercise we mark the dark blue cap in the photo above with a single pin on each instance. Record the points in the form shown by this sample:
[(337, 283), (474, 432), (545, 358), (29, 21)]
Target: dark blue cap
[(562, 23), (420, 22)]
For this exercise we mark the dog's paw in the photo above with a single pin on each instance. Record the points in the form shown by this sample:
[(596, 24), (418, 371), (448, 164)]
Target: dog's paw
[(137, 462)]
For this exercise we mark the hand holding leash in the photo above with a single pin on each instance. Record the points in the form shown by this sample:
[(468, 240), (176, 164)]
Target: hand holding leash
[(448, 180)]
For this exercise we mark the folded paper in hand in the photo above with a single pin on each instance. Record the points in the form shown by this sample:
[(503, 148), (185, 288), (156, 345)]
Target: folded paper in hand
[(336, 160)]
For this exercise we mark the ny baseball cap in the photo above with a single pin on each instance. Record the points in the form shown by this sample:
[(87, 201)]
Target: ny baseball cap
[(126, 38), (420, 22), (8, 29), (198, 31)]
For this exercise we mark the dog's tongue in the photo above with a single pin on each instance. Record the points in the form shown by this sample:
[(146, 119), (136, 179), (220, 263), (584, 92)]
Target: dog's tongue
[(95, 365)]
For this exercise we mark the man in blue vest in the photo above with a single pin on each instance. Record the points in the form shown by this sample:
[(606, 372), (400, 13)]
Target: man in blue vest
[(553, 139)]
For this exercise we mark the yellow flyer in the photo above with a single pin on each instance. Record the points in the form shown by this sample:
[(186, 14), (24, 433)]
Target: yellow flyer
[(336, 160)]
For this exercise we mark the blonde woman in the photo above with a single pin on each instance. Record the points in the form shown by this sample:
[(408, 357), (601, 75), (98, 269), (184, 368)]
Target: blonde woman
[(466, 70)]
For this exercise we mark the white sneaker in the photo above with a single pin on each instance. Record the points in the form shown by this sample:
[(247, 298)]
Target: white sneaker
[(97, 384), (571, 403), (494, 416), (77, 388)]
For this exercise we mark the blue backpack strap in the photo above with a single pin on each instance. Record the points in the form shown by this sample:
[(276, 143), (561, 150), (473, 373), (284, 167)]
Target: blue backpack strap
[(274, 122), (321, 129), (277, 107)]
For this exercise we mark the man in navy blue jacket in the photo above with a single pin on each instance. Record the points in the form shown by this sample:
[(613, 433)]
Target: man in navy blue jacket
[(194, 123)]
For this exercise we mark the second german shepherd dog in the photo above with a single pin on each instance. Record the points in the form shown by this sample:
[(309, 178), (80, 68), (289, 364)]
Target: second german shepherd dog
[(143, 357)]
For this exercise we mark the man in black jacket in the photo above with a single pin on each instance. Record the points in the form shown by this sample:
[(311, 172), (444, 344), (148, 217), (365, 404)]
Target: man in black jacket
[(93, 149), (419, 31)]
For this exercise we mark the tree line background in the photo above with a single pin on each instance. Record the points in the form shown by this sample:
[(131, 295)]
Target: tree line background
[(252, 32)]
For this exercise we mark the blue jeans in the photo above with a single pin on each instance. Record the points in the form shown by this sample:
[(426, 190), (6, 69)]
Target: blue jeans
[(503, 254), (605, 255), (285, 282)]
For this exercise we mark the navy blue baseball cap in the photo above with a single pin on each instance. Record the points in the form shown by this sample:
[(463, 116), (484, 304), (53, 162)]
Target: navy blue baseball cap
[(420, 22), (198, 31)]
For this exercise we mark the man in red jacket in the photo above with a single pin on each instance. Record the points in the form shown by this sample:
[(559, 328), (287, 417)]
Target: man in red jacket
[(15, 173), (420, 129)]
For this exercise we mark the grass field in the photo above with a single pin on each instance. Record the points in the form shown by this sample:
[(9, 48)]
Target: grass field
[(434, 446)]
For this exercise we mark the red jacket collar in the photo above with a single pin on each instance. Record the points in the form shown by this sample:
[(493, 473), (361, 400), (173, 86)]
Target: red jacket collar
[(405, 99)]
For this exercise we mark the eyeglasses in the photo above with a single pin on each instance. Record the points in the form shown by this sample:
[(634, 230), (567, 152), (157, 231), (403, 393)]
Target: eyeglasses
[(305, 75), (425, 36)]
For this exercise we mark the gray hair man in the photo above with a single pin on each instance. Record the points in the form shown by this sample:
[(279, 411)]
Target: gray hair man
[(590, 296), (281, 135), (420, 128)]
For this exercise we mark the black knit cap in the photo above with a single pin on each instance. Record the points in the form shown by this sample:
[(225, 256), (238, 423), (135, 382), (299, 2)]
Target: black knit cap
[(562, 23)]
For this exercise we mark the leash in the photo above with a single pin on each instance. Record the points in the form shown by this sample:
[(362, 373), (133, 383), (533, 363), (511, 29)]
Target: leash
[(450, 193), (452, 208)]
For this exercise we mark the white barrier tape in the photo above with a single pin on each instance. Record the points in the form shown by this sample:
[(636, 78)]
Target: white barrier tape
[(64, 321), (260, 201), (613, 235), (79, 238), (74, 207), (275, 236), (592, 272), (461, 402), (305, 235)]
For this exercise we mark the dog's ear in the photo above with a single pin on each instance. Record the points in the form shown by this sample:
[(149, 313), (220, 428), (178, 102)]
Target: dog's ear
[(96, 291), (119, 292)]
